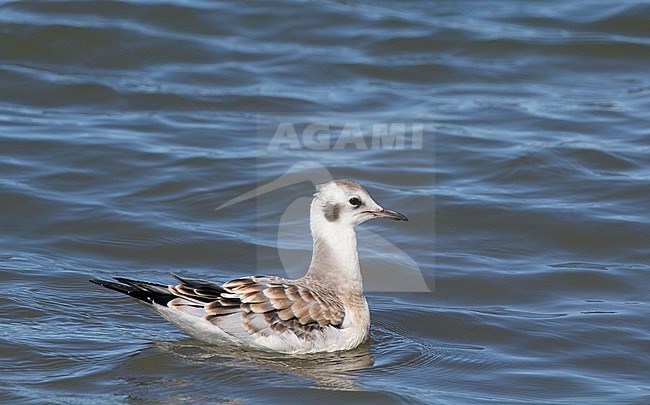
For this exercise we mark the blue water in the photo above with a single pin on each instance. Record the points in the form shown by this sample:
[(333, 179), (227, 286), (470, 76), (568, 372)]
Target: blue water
[(522, 275)]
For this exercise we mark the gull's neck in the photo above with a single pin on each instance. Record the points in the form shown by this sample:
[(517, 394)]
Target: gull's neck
[(335, 261)]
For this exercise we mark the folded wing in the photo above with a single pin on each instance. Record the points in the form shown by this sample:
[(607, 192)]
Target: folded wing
[(255, 306)]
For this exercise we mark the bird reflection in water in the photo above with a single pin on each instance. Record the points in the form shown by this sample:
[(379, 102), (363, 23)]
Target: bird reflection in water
[(334, 370)]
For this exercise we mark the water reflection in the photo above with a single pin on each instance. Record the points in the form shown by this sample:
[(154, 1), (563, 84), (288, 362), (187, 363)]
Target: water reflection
[(328, 370)]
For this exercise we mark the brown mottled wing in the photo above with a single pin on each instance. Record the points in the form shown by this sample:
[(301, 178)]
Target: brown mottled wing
[(198, 294), (274, 305)]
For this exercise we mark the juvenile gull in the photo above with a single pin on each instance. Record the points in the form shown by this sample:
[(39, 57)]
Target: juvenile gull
[(324, 311)]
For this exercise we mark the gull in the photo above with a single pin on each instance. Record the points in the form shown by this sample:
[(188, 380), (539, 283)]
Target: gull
[(324, 311)]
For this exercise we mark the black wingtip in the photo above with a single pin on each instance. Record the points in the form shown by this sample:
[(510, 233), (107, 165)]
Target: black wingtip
[(124, 289), (194, 284), (148, 292)]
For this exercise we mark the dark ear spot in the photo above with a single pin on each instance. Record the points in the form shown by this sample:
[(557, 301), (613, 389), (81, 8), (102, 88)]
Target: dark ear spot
[(331, 212)]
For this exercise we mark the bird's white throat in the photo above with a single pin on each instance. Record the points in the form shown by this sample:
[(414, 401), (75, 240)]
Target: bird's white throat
[(335, 261)]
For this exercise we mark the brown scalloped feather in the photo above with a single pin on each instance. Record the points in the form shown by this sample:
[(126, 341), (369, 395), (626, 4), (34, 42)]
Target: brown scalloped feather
[(266, 304)]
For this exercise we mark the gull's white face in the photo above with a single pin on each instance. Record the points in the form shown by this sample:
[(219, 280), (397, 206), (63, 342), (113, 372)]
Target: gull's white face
[(347, 203)]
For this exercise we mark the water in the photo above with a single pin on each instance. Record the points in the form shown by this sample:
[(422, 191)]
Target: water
[(123, 125)]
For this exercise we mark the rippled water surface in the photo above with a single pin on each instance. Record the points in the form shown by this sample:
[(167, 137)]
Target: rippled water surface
[(522, 276)]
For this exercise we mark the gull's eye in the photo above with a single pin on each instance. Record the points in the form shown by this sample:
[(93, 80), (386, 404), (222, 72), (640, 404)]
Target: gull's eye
[(355, 202)]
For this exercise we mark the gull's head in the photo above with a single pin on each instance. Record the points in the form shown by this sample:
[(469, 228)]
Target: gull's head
[(345, 202)]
